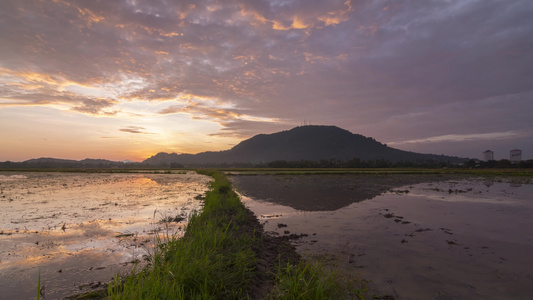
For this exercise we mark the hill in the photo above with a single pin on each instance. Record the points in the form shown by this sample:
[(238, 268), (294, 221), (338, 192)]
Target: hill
[(309, 143)]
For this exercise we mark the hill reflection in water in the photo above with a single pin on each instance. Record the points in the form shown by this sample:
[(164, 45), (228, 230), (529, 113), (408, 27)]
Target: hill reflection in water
[(323, 192)]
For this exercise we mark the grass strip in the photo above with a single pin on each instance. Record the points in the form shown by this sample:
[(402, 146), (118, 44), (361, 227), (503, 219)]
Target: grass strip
[(225, 255), (214, 260)]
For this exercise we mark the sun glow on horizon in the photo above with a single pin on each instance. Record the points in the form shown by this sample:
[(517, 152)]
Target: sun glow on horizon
[(67, 134)]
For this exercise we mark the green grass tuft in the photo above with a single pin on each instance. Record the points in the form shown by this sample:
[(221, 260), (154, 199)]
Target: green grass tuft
[(313, 280)]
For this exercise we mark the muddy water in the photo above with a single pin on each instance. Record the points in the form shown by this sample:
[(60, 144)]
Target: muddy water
[(79, 229), (412, 237)]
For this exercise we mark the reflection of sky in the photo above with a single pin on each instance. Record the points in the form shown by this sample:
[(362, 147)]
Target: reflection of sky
[(504, 193), (95, 209), (12, 177), (44, 202)]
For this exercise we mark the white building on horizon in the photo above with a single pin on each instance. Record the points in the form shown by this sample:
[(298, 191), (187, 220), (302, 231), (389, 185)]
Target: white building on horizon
[(488, 155), (515, 155)]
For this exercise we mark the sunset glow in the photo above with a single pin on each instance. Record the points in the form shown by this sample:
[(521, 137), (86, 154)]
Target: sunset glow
[(128, 79)]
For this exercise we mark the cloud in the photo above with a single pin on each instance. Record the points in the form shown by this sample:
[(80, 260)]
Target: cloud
[(135, 129), (28, 88), (460, 138), (243, 129), (225, 116), (396, 71), (95, 106)]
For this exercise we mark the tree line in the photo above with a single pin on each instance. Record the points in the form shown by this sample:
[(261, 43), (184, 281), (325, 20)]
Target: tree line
[(331, 163)]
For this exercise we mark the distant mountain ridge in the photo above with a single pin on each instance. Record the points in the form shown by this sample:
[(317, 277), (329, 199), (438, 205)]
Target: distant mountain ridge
[(89, 163), (309, 143)]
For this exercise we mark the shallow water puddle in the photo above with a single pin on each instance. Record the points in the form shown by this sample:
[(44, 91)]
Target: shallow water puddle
[(79, 229), (429, 238)]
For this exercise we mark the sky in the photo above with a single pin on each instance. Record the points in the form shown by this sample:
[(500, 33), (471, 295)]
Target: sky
[(126, 79)]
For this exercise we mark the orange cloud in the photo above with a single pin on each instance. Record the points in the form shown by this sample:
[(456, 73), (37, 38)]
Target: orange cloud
[(90, 16), (33, 78), (85, 14), (298, 23), (337, 17), (30, 88), (255, 16), (331, 18), (279, 26), (170, 34), (212, 112)]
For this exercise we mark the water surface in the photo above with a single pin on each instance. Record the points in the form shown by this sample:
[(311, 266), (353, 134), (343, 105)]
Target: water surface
[(78, 229), (411, 236)]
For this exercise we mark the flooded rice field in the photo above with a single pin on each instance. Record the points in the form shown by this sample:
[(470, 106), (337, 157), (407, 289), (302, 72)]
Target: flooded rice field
[(411, 236), (79, 229)]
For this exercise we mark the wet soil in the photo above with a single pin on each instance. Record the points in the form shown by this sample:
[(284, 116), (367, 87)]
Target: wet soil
[(271, 251)]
